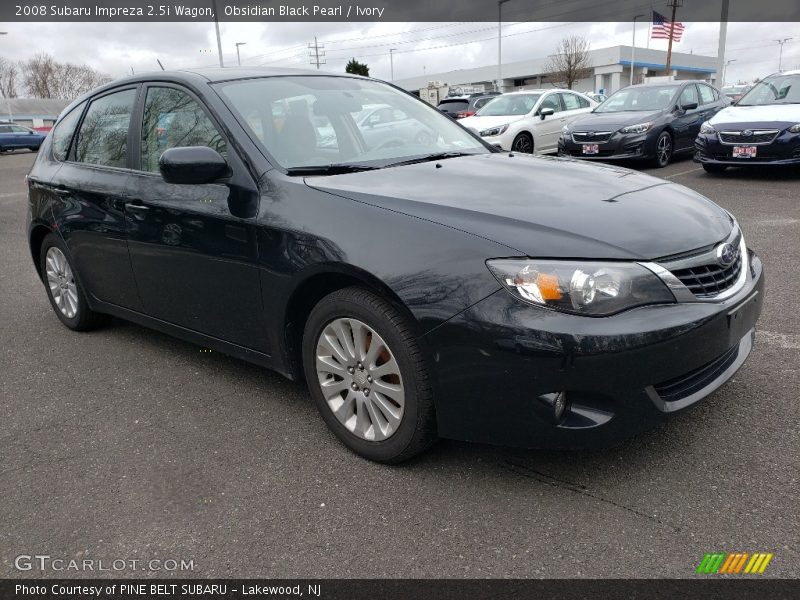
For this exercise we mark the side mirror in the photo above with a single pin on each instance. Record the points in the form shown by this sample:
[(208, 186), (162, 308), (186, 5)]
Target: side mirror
[(546, 112), (31, 132), (689, 106), (192, 164)]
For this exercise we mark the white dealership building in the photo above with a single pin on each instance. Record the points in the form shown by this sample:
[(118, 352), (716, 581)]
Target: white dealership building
[(610, 71)]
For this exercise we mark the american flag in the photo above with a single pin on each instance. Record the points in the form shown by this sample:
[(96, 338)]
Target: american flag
[(661, 28)]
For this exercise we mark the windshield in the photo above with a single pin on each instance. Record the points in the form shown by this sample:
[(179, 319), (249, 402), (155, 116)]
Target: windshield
[(778, 89), (305, 121), (648, 98), (516, 104)]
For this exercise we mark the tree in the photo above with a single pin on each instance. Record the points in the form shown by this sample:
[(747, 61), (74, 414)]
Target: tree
[(45, 77), (357, 68), (571, 61), (9, 76)]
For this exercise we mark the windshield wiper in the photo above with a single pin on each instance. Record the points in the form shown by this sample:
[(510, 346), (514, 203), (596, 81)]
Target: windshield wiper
[(329, 169), (430, 158)]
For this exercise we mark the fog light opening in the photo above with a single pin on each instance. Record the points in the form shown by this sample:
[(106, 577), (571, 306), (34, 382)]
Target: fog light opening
[(553, 406)]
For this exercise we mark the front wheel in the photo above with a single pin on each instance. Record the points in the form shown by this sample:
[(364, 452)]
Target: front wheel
[(523, 143), (63, 288), (367, 376), (714, 169), (663, 150)]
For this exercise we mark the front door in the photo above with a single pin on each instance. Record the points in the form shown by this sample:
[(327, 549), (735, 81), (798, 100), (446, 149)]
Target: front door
[(193, 247)]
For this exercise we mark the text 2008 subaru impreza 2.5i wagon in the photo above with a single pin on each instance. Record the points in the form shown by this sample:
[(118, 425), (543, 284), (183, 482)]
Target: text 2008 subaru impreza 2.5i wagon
[(424, 288)]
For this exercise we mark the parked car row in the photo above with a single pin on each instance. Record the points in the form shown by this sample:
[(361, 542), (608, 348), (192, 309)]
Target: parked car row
[(651, 121)]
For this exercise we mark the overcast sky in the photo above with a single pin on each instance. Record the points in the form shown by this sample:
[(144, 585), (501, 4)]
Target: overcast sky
[(428, 48)]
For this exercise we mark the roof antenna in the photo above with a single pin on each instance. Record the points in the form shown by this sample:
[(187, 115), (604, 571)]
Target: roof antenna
[(160, 65)]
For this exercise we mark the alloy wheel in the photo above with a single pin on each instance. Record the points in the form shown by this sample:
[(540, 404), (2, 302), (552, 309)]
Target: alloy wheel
[(360, 379), (61, 282), (664, 149), (523, 144)]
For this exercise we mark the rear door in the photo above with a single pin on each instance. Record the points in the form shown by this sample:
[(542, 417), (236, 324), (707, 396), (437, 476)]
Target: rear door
[(193, 247), (93, 185)]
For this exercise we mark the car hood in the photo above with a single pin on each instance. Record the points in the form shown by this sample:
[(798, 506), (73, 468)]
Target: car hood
[(612, 121), (544, 207), (770, 114), (478, 123)]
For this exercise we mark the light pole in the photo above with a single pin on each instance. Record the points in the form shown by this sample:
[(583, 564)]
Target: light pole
[(391, 61), (219, 40), (239, 58), (780, 55), (500, 43), (633, 45), (8, 104), (725, 68)]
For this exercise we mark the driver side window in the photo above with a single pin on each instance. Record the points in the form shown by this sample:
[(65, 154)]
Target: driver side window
[(688, 95), (171, 119), (551, 101)]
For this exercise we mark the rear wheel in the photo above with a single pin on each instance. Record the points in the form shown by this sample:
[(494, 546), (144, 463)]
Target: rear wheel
[(523, 143), (714, 168), (367, 376), (663, 150), (63, 288)]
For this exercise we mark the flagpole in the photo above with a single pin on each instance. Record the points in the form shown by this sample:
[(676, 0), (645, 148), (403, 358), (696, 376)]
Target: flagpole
[(674, 5)]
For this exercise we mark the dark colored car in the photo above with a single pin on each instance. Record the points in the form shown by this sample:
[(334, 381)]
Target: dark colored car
[(649, 121), (14, 137), (466, 106), (422, 290), (763, 128)]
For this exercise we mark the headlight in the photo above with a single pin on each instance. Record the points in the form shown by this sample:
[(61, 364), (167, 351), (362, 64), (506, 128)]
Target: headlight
[(580, 287), (707, 128), (795, 128), (638, 128), (565, 131), (494, 131)]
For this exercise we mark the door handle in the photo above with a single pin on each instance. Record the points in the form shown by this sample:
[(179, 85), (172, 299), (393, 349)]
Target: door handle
[(136, 207), (61, 191)]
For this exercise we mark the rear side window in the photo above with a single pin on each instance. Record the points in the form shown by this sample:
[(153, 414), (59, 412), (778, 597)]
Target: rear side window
[(706, 94), (573, 102), (62, 134), (103, 136), (171, 119)]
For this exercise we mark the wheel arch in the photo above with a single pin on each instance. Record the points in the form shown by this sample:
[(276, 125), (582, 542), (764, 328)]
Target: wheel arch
[(38, 232), (312, 287)]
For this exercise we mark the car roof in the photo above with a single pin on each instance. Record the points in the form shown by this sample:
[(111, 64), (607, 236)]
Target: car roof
[(542, 91), (206, 75)]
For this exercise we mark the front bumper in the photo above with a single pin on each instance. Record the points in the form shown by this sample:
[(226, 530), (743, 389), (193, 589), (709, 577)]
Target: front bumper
[(784, 150), (495, 363), (619, 146)]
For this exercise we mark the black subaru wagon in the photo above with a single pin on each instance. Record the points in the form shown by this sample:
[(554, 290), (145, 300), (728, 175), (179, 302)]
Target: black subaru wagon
[(424, 288)]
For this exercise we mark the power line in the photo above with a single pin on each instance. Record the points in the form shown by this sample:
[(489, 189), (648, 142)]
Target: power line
[(316, 53)]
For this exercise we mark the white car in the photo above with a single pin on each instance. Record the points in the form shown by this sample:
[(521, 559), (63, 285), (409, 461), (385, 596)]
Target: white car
[(529, 121)]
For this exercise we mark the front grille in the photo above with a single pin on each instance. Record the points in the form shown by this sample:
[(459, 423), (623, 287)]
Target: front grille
[(761, 136), (687, 384), (709, 280), (596, 137)]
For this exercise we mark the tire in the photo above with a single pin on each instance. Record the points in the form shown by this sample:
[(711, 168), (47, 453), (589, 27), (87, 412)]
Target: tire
[(663, 155), (34, 148), (386, 427), (523, 143), (63, 288), (714, 169)]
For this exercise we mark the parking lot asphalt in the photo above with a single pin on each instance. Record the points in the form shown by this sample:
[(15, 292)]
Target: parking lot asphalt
[(124, 443)]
